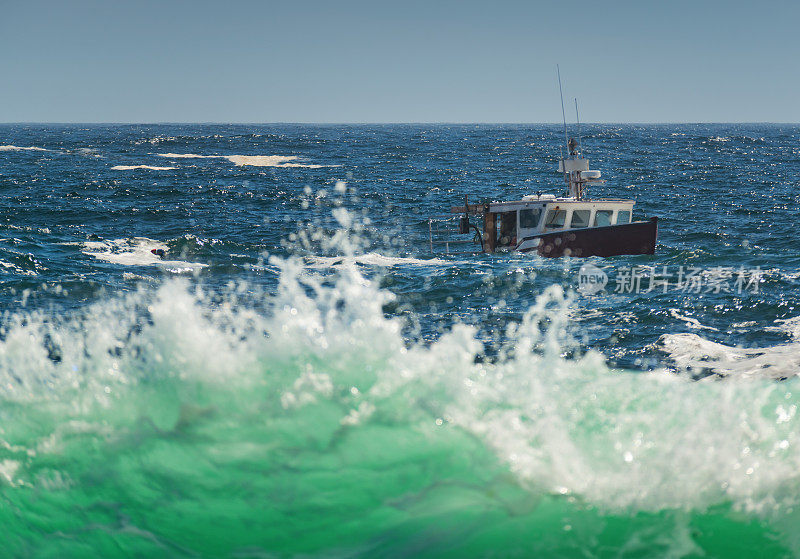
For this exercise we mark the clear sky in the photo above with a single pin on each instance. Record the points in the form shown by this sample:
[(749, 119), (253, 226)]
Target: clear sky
[(399, 61)]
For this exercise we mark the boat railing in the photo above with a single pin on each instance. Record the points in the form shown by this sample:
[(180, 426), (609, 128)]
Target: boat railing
[(443, 233)]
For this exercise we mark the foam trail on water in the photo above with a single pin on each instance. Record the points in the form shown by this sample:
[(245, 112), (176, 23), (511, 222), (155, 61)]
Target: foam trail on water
[(250, 160), (136, 252), (17, 148), (271, 161), (132, 167), (189, 156), (377, 260)]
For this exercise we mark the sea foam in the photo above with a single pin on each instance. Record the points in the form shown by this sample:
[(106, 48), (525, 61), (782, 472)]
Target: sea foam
[(17, 148), (378, 260), (692, 352), (132, 167), (250, 160), (136, 252)]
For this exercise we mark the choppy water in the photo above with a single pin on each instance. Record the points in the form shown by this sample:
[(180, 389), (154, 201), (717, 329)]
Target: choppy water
[(301, 376)]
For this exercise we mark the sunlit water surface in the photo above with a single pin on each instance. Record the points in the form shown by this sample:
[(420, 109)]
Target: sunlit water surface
[(302, 376)]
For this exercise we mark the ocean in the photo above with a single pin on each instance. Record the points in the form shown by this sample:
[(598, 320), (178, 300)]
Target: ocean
[(304, 374)]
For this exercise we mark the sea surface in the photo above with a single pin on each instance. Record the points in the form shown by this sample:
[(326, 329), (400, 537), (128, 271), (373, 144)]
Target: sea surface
[(304, 374)]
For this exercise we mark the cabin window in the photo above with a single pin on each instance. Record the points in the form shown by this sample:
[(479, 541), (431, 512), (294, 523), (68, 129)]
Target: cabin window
[(623, 216), (529, 218), (602, 218), (580, 218), (556, 219)]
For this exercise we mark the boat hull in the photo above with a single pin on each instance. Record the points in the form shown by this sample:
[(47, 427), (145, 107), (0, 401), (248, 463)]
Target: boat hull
[(638, 237)]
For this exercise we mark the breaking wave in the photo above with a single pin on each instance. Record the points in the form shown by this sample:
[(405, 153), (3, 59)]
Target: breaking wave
[(322, 428)]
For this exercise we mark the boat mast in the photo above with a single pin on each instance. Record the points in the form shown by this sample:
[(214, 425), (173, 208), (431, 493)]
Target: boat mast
[(564, 118), (578, 120), (573, 165), (563, 114)]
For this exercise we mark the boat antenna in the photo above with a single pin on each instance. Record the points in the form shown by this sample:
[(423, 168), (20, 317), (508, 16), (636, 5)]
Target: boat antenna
[(563, 114), (578, 119)]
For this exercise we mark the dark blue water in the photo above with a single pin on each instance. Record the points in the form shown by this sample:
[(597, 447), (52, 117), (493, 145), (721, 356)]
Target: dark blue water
[(322, 232), (726, 196)]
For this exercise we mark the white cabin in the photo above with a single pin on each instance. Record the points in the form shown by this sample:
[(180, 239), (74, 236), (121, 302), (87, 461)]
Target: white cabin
[(535, 215)]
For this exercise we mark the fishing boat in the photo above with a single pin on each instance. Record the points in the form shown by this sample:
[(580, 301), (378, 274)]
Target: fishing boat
[(552, 226), (570, 225)]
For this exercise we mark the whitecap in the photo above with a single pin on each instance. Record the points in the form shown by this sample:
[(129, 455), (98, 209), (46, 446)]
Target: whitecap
[(131, 167), (188, 156), (692, 352), (789, 326), (250, 160), (136, 277), (271, 161), (88, 152), (28, 228), (690, 322), (10, 267), (17, 148), (136, 252), (377, 260)]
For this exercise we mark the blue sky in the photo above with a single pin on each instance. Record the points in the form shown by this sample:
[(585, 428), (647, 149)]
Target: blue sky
[(409, 61)]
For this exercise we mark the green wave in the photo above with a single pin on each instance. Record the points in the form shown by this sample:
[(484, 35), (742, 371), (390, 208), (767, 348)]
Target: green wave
[(177, 422)]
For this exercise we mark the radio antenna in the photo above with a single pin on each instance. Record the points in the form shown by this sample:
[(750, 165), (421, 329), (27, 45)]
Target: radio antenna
[(578, 119), (563, 114)]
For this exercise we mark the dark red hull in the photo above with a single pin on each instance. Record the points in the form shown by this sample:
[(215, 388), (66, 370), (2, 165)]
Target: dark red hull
[(638, 237)]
